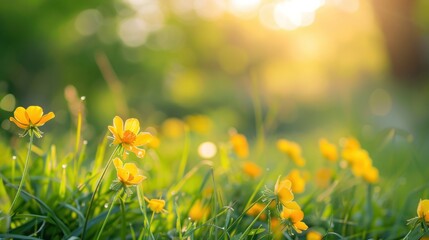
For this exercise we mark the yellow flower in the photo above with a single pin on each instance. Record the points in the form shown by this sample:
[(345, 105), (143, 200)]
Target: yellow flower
[(293, 150), (255, 209), (129, 136), (127, 173), (198, 211), (252, 169), (283, 190), (292, 211), (156, 205), (239, 144), (423, 210), (30, 119), (328, 150), (350, 145), (371, 174), (314, 235), (298, 182), (300, 226), (361, 165)]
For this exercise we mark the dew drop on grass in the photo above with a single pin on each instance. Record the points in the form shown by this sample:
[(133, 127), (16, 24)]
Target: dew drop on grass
[(82, 98), (106, 205), (85, 142), (13, 157), (64, 166)]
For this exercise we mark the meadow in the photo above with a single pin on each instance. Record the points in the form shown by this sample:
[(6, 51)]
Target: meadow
[(184, 180), (214, 119)]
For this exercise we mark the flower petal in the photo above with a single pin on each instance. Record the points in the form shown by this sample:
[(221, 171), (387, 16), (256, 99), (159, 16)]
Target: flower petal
[(20, 125), (138, 152), (123, 175), (292, 205), (116, 137), (118, 124), (118, 163), (131, 168), (45, 118), (300, 226), (34, 113), (143, 138), (137, 179), (20, 116), (132, 125)]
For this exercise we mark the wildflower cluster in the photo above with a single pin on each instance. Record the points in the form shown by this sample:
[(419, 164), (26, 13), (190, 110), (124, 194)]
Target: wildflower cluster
[(288, 211), (293, 150), (359, 161), (240, 147)]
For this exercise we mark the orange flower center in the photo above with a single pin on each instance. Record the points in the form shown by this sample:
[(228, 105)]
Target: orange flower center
[(129, 137)]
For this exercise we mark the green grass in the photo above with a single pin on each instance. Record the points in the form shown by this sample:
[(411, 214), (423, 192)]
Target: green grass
[(62, 179)]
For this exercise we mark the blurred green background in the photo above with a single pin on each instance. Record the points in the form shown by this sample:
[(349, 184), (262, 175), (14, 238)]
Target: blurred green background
[(295, 69), (319, 67)]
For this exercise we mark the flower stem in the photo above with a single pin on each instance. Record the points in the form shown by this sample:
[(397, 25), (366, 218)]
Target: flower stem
[(24, 175), (97, 186), (107, 216)]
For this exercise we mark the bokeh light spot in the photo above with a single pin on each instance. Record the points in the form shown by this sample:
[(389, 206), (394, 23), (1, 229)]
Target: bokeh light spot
[(207, 150), (8, 103), (88, 21)]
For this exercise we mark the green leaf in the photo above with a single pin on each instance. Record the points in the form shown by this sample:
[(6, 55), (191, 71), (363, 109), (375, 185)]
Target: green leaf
[(256, 231), (4, 199), (60, 224)]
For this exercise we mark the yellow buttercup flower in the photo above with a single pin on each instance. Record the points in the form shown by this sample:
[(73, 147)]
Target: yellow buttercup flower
[(30, 119), (252, 169), (129, 136), (239, 144), (298, 181), (293, 150), (283, 190), (361, 165), (292, 211), (255, 209), (127, 173), (198, 211), (423, 209), (314, 235), (156, 205), (371, 174), (328, 150)]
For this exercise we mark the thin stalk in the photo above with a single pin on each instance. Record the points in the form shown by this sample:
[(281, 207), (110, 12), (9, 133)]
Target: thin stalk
[(24, 175), (108, 214), (122, 202), (97, 186)]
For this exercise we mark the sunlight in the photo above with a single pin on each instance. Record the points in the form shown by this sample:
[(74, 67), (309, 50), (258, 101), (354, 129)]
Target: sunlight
[(291, 14)]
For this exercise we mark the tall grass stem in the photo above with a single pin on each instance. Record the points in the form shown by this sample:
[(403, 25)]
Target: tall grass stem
[(24, 174), (97, 186)]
